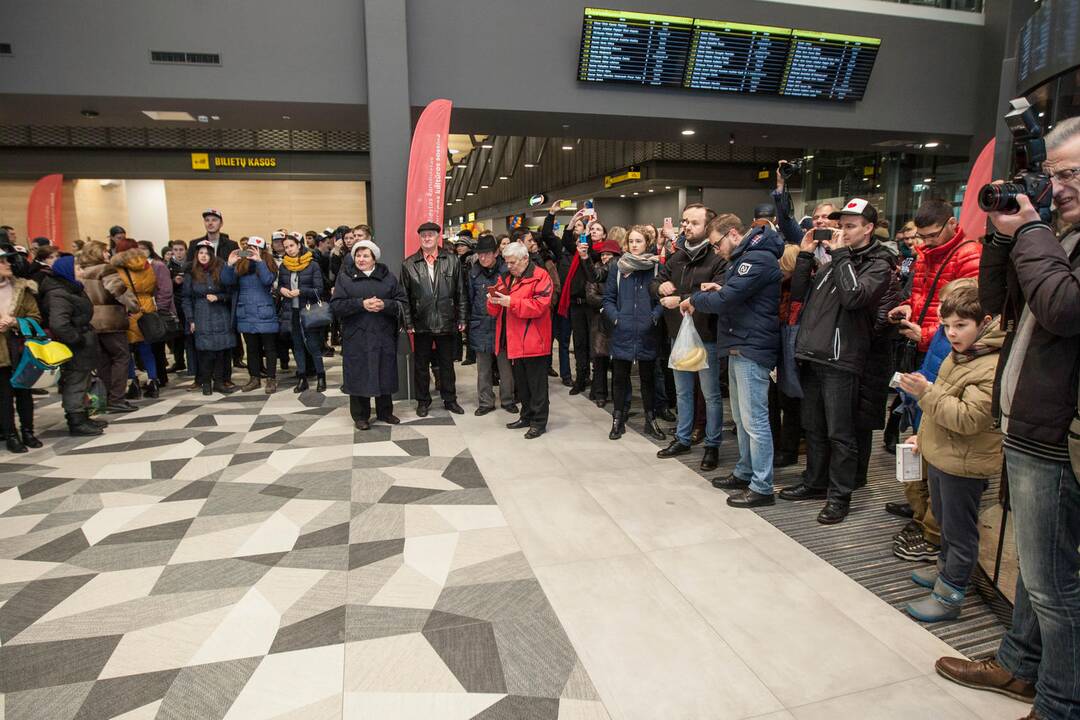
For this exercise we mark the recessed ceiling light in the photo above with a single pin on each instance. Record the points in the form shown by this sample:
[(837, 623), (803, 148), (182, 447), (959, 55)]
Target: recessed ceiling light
[(667, 187), (503, 177), (169, 115), (486, 146), (622, 196), (928, 180), (635, 193), (651, 190), (286, 117), (931, 145), (530, 165), (567, 147), (215, 117), (449, 204), (484, 187), (469, 194), (688, 131), (459, 167), (460, 199)]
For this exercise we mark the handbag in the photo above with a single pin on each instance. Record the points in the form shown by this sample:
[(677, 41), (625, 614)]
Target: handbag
[(41, 358), (906, 352), (315, 315)]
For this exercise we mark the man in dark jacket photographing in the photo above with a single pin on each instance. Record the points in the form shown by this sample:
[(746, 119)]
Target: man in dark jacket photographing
[(840, 303), (1032, 278)]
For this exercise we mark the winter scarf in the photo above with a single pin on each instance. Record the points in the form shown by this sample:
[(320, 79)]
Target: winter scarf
[(564, 297), (297, 264), (978, 348), (629, 263)]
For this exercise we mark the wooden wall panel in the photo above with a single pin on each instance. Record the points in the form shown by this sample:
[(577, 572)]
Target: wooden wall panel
[(99, 208), (14, 198), (257, 207)]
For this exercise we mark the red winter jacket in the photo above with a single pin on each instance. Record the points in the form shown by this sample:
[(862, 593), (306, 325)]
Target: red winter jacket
[(528, 319), (963, 264)]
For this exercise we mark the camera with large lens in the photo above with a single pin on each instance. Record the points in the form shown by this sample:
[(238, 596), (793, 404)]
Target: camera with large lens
[(1029, 153), (789, 168)]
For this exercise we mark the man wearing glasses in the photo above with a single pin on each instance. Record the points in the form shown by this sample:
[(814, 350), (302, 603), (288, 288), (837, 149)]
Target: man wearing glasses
[(943, 255)]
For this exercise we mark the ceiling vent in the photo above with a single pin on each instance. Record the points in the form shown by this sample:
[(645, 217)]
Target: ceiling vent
[(5, 50), (184, 58)]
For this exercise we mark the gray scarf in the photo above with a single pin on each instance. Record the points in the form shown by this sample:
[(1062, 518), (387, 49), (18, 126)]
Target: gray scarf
[(629, 263)]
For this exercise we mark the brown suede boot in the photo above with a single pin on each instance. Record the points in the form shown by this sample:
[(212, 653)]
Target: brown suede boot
[(271, 386), (985, 675), (252, 384)]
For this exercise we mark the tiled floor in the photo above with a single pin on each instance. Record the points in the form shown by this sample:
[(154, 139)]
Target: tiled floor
[(250, 558)]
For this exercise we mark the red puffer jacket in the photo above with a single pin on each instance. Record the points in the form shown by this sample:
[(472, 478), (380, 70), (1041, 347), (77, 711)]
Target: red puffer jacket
[(964, 263), (528, 319)]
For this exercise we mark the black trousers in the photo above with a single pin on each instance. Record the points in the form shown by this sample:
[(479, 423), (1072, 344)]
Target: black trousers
[(261, 346), (621, 387), (159, 359), (213, 365), (360, 407), (531, 385), (830, 400), (600, 363), (955, 501), (12, 399), (579, 330), (785, 418), (422, 357)]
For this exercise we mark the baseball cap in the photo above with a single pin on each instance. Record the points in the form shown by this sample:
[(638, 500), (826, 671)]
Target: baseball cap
[(256, 241), (212, 211), (856, 206), (277, 235)]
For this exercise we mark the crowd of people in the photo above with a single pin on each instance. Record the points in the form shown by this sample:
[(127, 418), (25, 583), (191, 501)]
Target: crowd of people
[(807, 326)]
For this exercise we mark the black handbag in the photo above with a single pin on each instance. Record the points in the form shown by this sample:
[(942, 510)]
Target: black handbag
[(314, 316), (906, 352)]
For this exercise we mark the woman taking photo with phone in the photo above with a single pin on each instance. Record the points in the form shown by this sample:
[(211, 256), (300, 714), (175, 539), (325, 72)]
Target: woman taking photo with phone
[(253, 271), (369, 302), (208, 309), (300, 284)]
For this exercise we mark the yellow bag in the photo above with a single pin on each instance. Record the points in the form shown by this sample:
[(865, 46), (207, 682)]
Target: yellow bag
[(46, 351)]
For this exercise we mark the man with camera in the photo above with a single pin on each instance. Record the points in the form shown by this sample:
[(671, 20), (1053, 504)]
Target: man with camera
[(1032, 278), (840, 304)]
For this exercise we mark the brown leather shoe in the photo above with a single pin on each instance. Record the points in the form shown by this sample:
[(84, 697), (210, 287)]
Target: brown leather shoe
[(985, 675), (1032, 716), (252, 384), (271, 386)]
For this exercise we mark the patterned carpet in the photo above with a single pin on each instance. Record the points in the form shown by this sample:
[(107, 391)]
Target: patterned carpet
[(254, 556)]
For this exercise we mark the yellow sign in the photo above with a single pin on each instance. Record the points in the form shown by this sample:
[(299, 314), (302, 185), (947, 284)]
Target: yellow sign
[(763, 175), (610, 180), (200, 161), (245, 162)]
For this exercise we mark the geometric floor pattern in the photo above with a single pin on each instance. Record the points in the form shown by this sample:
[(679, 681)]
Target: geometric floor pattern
[(253, 557)]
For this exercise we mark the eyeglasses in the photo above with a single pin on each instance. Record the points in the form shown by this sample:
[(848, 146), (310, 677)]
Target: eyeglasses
[(931, 235), (1066, 175)]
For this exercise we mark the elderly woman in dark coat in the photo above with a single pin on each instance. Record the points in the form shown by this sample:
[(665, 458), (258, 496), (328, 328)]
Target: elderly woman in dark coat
[(208, 310), (369, 302)]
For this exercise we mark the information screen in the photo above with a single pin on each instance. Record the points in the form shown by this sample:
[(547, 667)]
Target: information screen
[(736, 57), (672, 51), (638, 48), (829, 66)]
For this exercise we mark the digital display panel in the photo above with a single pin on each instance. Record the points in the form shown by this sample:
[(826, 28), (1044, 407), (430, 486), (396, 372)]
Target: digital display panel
[(673, 51)]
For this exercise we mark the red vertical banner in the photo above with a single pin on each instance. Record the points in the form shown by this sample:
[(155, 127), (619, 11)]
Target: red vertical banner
[(43, 214), (972, 217), (427, 171)]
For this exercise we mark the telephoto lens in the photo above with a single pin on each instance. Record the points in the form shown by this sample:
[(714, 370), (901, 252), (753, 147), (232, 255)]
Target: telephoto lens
[(1000, 198)]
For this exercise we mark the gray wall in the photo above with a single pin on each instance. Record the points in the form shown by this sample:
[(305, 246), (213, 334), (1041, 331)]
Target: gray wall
[(653, 209), (922, 81), (741, 202), (272, 50)]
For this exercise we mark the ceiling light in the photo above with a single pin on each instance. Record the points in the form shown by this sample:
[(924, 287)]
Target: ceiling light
[(503, 177), (89, 113), (449, 204), (651, 190), (530, 165), (484, 187), (928, 180), (469, 194), (667, 187), (215, 117), (286, 117), (1042, 114), (459, 167), (622, 196), (931, 145), (688, 131), (486, 146), (731, 139), (808, 157), (203, 119), (460, 199), (169, 115), (635, 193), (454, 151), (567, 147)]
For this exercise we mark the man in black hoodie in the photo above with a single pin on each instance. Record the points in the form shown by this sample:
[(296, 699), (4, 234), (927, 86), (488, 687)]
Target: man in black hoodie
[(840, 304)]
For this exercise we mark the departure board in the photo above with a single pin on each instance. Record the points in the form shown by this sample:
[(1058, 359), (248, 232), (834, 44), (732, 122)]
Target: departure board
[(630, 47), (829, 66), (620, 46), (737, 57)]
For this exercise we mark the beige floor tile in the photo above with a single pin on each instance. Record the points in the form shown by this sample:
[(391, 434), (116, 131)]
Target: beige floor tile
[(417, 706), (917, 699), (397, 664), (735, 587), (985, 705), (288, 681), (649, 652)]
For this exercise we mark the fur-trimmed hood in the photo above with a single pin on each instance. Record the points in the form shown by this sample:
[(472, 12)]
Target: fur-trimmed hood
[(134, 259)]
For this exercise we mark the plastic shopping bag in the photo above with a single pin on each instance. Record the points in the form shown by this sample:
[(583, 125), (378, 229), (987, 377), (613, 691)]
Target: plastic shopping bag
[(688, 351)]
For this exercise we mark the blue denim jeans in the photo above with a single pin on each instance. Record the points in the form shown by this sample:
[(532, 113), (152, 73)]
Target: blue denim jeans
[(1043, 645), (714, 401), (562, 334), (748, 389)]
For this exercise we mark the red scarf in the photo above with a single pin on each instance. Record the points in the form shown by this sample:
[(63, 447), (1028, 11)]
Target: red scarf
[(564, 297)]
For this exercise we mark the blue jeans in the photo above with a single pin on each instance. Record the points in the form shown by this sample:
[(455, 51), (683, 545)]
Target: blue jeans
[(309, 340), (146, 355), (1043, 645), (562, 334), (714, 401), (748, 387)]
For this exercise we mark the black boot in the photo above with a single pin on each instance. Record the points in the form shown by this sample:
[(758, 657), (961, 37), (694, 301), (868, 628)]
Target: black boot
[(150, 390), (97, 421), (320, 382), (133, 391), (29, 439), (301, 385), (618, 425), (652, 429), (80, 425), (14, 444)]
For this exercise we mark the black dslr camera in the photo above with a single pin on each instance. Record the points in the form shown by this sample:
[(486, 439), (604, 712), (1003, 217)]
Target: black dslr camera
[(789, 168), (1029, 152)]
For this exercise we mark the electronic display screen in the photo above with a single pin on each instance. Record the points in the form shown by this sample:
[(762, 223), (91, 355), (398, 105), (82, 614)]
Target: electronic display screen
[(673, 51)]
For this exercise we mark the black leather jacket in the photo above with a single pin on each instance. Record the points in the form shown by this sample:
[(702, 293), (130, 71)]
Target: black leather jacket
[(439, 309)]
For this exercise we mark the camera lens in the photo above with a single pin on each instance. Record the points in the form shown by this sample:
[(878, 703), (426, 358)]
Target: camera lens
[(1000, 198)]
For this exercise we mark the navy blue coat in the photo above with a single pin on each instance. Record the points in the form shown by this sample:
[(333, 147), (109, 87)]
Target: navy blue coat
[(748, 305), (634, 312), (256, 311), (368, 339), (311, 287), (214, 328), (481, 322)]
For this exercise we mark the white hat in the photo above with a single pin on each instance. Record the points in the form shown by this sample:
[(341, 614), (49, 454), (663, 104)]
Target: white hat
[(277, 235), (256, 241), (297, 237), (370, 245)]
